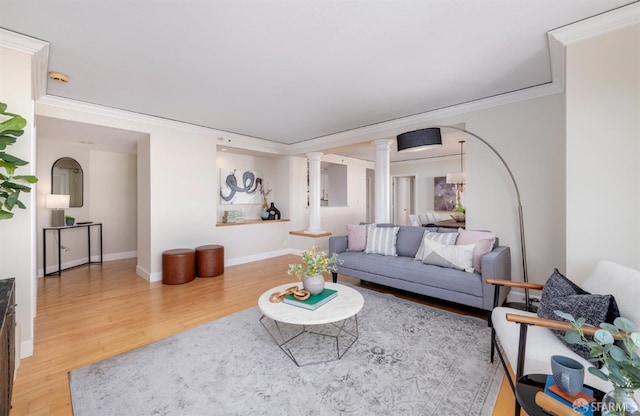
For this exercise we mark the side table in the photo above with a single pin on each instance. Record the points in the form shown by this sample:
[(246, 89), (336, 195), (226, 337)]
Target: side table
[(530, 384)]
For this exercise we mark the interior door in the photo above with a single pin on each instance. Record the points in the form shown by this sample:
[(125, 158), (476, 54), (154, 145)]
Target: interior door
[(402, 200)]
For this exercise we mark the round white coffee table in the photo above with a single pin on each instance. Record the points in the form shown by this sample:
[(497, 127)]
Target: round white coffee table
[(289, 325)]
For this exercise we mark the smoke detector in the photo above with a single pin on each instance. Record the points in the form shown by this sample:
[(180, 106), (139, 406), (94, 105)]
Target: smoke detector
[(59, 77)]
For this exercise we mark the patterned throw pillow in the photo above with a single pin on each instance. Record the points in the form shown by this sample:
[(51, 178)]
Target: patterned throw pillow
[(356, 237), (382, 240), (560, 293), (448, 255), (444, 238)]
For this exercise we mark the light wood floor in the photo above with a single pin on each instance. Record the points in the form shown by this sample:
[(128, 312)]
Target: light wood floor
[(98, 311)]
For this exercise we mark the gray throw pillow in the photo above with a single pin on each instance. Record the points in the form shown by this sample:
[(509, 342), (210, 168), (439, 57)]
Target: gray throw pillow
[(561, 294)]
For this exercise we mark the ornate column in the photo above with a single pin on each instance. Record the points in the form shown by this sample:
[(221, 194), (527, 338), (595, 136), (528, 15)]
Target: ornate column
[(383, 176), (315, 184)]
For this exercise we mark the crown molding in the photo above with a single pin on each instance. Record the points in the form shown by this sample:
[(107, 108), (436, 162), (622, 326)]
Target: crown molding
[(39, 51), (47, 102), (597, 25)]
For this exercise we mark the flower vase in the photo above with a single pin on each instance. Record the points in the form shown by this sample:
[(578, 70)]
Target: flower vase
[(313, 283), (620, 402)]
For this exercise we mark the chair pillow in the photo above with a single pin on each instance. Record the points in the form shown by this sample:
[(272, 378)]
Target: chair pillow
[(382, 240), (444, 238), (559, 293), (483, 240), (356, 237), (448, 255)]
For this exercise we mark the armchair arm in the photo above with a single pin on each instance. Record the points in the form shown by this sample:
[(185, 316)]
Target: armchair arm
[(551, 324), (511, 283)]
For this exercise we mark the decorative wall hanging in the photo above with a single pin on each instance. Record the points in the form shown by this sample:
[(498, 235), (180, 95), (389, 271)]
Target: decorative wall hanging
[(239, 187), (444, 194)]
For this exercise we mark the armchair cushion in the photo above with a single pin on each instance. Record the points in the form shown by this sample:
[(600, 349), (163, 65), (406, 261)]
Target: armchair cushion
[(560, 293)]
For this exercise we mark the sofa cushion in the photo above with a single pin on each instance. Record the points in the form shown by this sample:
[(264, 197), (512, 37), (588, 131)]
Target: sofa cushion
[(356, 237), (483, 241), (408, 241), (443, 238), (561, 294), (382, 240), (447, 255)]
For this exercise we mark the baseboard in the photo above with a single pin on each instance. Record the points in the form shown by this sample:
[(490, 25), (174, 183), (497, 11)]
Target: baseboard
[(256, 257), (94, 258), (116, 256), (26, 348)]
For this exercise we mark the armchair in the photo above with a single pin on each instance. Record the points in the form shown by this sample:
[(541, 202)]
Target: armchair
[(527, 341)]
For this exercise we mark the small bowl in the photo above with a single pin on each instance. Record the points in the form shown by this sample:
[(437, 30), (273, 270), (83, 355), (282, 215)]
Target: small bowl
[(458, 216)]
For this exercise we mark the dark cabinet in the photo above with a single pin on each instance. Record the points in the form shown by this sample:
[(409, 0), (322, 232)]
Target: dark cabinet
[(7, 343)]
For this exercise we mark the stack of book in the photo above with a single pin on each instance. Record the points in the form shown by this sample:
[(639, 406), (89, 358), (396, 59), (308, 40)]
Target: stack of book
[(313, 302), (553, 399), (232, 216)]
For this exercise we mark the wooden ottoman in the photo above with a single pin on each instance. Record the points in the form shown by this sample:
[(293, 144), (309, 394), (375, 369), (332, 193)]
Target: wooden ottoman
[(209, 260), (178, 266)]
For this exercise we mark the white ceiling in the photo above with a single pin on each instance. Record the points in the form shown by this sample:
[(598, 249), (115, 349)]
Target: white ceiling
[(294, 70)]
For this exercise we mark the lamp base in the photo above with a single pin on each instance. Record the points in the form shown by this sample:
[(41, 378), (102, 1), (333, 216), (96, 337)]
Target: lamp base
[(57, 218)]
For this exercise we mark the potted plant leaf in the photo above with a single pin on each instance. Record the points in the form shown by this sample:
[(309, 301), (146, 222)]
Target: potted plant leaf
[(11, 185)]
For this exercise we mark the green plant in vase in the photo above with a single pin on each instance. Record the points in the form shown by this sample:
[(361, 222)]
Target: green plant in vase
[(311, 270), (11, 185), (615, 348)]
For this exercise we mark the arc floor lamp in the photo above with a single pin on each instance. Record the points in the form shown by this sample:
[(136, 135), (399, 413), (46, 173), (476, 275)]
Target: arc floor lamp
[(431, 136)]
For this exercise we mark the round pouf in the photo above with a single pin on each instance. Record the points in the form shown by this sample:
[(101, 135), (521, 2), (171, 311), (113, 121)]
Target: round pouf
[(178, 266), (209, 260)]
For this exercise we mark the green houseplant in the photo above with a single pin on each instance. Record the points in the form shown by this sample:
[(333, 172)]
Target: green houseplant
[(313, 265), (69, 220), (615, 347), (11, 185)]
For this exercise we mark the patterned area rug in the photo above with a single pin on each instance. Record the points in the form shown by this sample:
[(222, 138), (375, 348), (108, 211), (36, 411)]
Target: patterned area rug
[(410, 359)]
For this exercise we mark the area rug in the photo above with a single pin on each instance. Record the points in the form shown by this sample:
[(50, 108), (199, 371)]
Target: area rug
[(410, 359)]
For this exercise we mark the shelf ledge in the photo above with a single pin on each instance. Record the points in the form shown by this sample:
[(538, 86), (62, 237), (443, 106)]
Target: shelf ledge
[(248, 222)]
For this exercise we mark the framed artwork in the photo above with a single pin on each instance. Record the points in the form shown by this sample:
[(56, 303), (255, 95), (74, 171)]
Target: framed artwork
[(239, 187), (444, 194)]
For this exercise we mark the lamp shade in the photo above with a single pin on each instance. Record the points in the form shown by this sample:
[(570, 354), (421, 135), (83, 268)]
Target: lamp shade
[(457, 177), (414, 140), (57, 201)]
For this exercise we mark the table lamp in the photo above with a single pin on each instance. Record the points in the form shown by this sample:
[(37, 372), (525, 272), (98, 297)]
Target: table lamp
[(57, 203)]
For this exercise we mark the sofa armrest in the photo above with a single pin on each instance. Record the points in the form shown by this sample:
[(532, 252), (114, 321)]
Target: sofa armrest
[(337, 244), (495, 265)]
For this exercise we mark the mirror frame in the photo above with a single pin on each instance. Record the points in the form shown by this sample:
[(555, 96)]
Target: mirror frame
[(81, 180)]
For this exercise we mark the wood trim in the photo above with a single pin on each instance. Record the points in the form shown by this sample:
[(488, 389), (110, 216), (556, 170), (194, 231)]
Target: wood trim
[(510, 283), (552, 324), (248, 222), (302, 233)]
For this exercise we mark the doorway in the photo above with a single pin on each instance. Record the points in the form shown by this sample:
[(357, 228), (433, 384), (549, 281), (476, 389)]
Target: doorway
[(403, 199)]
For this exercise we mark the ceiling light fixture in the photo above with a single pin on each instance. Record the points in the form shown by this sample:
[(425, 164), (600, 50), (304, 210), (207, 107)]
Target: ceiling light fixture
[(59, 77), (417, 139)]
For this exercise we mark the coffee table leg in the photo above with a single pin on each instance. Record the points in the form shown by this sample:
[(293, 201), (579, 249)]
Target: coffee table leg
[(282, 342)]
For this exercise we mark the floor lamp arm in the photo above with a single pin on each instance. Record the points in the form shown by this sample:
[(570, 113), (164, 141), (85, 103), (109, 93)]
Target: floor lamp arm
[(520, 215)]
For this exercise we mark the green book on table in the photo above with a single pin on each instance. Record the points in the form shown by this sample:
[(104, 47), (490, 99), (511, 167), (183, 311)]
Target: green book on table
[(313, 302)]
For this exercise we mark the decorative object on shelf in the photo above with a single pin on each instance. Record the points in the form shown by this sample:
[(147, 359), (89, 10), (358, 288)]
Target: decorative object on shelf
[(239, 187), (69, 220), (314, 263), (232, 216), (10, 184), (295, 291), (613, 346), (57, 203), (274, 213), (459, 214), (265, 191), (432, 136), (264, 215)]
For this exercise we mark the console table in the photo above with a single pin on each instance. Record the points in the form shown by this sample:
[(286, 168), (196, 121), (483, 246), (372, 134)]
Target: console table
[(59, 232)]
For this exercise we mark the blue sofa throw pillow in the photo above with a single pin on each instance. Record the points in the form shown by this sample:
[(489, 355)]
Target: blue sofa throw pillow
[(562, 294)]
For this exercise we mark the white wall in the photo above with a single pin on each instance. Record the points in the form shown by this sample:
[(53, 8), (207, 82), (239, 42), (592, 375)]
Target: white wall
[(603, 151), (18, 242)]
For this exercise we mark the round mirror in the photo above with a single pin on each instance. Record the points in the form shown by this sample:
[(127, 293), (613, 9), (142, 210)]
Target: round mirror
[(67, 179)]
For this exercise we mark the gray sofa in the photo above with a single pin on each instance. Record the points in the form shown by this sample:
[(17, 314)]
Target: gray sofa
[(403, 272)]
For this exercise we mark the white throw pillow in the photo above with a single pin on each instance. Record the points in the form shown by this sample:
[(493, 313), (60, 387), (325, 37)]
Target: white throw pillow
[(452, 256), (382, 240), (444, 238)]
